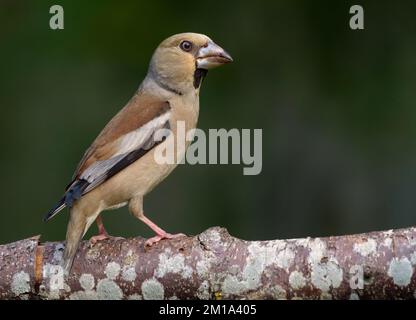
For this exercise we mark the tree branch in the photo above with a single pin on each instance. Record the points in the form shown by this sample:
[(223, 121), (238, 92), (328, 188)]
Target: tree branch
[(215, 265)]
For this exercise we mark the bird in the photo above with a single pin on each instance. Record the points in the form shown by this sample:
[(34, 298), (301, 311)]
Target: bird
[(119, 168)]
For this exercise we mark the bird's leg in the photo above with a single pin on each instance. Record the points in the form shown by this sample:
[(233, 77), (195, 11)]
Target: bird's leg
[(136, 208), (160, 233), (102, 233)]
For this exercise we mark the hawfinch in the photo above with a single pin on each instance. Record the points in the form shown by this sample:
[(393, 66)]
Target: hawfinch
[(120, 168)]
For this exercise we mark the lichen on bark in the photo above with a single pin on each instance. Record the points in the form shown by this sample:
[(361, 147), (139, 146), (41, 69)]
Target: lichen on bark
[(215, 265)]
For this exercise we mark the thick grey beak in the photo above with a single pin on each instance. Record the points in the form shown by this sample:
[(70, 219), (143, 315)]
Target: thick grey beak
[(212, 56)]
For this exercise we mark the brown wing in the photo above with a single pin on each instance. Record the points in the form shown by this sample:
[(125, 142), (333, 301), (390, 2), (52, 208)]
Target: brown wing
[(139, 110)]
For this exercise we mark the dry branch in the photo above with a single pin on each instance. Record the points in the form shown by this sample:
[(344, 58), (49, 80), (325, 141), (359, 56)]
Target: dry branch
[(215, 265)]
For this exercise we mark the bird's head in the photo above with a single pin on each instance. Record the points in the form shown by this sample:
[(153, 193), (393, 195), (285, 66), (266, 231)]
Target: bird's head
[(181, 61)]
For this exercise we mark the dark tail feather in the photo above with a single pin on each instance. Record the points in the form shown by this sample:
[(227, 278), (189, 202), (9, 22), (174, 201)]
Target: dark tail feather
[(55, 210), (73, 193)]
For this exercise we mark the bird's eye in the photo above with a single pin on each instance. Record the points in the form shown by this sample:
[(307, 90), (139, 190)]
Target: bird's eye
[(186, 46)]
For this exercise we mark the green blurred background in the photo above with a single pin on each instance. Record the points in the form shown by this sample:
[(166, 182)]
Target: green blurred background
[(337, 109)]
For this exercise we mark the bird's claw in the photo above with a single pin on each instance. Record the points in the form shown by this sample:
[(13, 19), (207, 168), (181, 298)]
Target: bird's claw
[(151, 241)]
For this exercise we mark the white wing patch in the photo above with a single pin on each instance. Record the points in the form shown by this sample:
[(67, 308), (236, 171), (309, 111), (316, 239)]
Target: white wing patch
[(99, 168), (137, 139)]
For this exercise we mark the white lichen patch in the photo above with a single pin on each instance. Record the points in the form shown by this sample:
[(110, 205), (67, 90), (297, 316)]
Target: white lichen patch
[(273, 251), (278, 293), (232, 285), (401, 271), (84, 295), (203, 291), (285, 258), (388, 233), (58, 253), (20, 283), (326, 274), (366, 248), (297, 280), (87, 281), (302, 242), (234, 269), (135, 296), (172, 263), (129, 274), (317, 249), (412, 241), (213, 235), (202, 267), (354, 296), (55, 273), (112, 270), (413, 258), (152, 290), (387, 242), (325, 296), (260, 256), (108, 290)]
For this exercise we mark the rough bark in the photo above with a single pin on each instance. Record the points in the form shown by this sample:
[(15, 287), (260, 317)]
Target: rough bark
[(215, 265)]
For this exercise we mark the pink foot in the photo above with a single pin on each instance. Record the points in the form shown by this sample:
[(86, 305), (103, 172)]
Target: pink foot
[(151, 241), (102, 233), (101, 237)]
